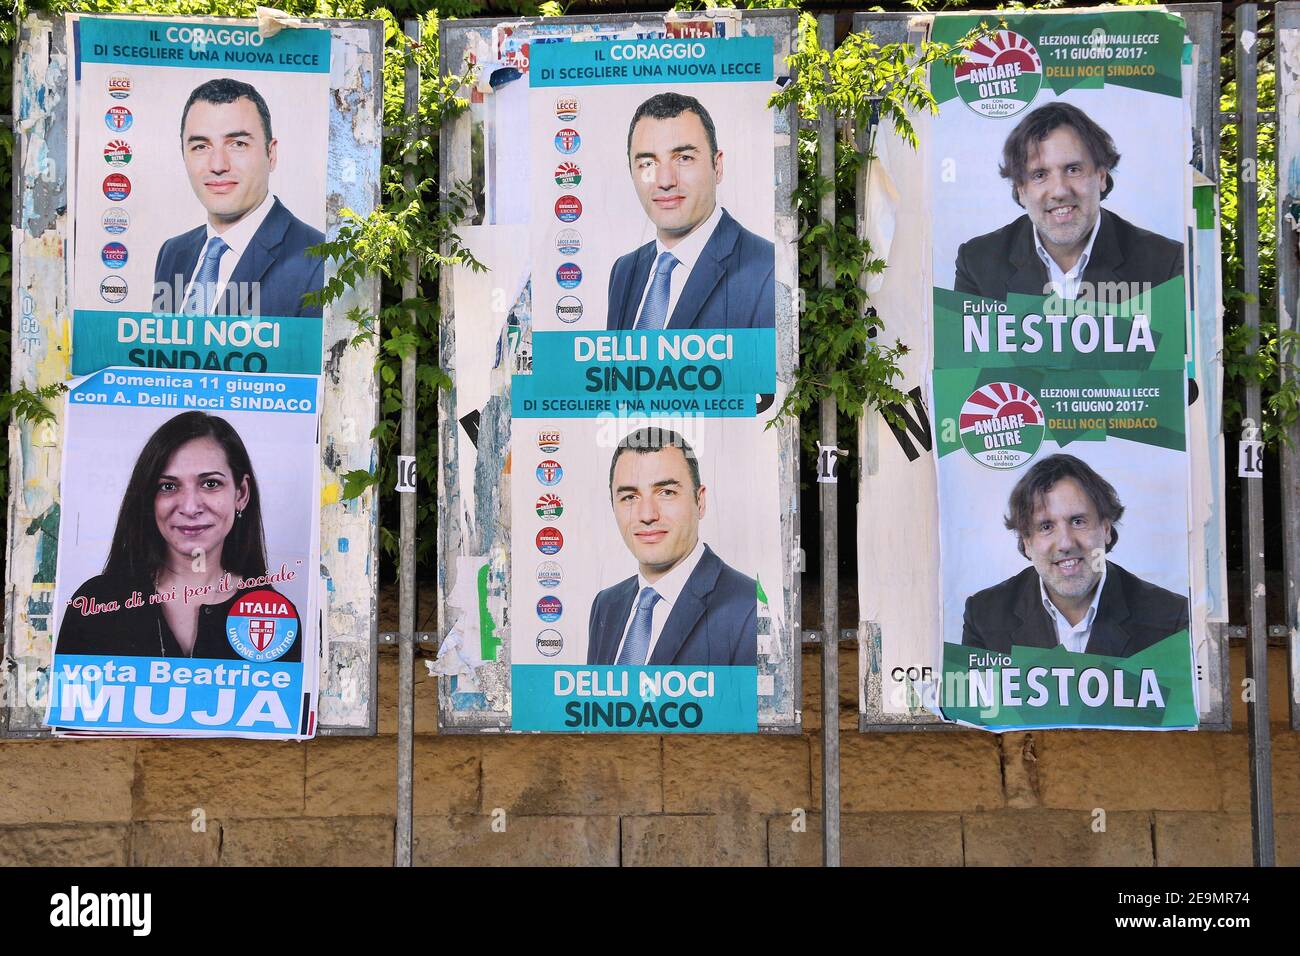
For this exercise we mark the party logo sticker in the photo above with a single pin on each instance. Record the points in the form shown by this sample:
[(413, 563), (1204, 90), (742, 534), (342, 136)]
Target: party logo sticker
[(1000, 75), (1001, 425)]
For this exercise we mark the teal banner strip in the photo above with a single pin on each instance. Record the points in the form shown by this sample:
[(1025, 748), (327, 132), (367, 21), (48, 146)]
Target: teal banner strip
[(650, 700), (672, 61), (211, 45), (289, 345), (717, 373)]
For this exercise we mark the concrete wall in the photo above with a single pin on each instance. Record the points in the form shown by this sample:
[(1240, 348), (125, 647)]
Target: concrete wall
[(934, 798)]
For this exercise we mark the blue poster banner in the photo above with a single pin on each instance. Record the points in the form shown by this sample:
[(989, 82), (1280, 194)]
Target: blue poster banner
[(652, 700), (667, 61), (212, 45), (713, 372), (215, 343), (94, 692)]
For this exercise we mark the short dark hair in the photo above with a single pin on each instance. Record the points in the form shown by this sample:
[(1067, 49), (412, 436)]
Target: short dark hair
[(668, 105), (652, 438), (1038, 125), (1034, 485), (226, 90), (138, 550)]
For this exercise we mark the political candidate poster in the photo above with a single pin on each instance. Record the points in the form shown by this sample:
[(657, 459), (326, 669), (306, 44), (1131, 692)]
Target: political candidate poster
[(646, 572), (1059, 355), (185, 598), (198, 154)]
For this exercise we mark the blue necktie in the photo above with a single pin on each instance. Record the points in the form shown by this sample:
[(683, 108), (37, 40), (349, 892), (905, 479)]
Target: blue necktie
[(198, 301), (654, 313), (636, 646)]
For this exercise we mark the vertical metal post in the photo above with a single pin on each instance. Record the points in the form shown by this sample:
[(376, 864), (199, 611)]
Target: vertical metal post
[(406, 529), (1261, 766), (830, 519), (1286, 33)]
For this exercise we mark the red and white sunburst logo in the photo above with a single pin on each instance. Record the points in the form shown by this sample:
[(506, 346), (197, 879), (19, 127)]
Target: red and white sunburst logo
[(1001, 425), (1000, 76)]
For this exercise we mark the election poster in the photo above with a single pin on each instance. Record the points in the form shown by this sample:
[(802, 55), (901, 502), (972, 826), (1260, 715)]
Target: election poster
[(198, 152), (188, 562), (616, 542), (1059, 205), (645, 501), (185, 598)]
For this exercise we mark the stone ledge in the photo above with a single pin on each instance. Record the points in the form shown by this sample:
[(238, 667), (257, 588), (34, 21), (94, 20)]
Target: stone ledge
[(525, 841), (871, 839), (1056, 838), (695, 840), (70, 845), (598, 775), (63, 781), (330, 841), (227, 779)]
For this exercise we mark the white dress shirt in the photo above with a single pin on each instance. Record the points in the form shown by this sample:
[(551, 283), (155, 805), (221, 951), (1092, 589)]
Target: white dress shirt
[(237, 237), (669, 588), (1073, 636), (687, 253), (1066, 284)]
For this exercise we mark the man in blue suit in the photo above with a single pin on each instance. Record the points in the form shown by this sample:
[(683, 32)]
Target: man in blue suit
[(250, 257), (684, 606), (703, 270)]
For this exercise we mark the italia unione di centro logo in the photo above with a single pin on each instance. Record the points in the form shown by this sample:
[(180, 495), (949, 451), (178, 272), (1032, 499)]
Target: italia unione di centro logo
[(1001, 425), (1000, 75)]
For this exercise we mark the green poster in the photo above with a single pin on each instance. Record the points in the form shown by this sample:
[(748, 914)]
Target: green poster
[(1059, 196)]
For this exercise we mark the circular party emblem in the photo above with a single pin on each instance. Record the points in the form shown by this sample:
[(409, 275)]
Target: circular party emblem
[(549, 643), (1001, 425), (1000, 75), (549, 472), (569, 276), (568, 209), (118, 119), (549, 507), (117, 187), (119, 86), (115, 220), (550, 541), (549, 574), (567, 141), (568, 175), (568, 242), (117, 153), (114, 255), (113, 289), (262, 625), (549, 609), (548, 441), (566, 109), (568, 309)]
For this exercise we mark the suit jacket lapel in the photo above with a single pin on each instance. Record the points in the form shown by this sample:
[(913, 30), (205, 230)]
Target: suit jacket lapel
[(1028, 274), (708, 271), (1109, 636), (609, 629), (1106, 256), (257, 258), (1035, 627), (182, 261), (189, 257), (688, 610), (632, 292)]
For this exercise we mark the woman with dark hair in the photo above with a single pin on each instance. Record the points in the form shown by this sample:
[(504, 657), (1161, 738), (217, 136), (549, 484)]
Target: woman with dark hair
[(184, 571)]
